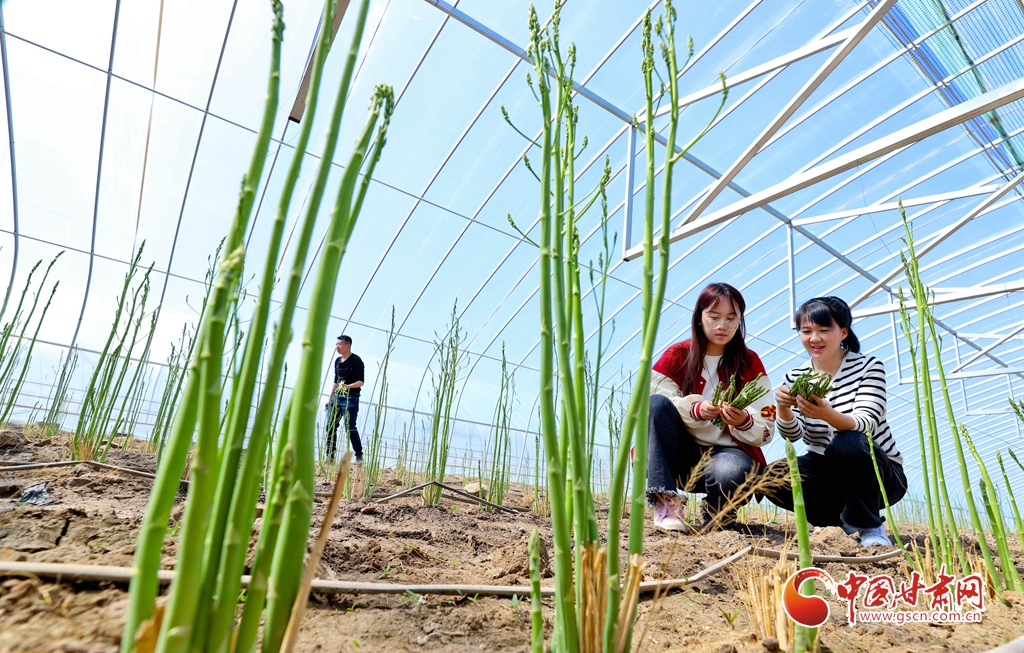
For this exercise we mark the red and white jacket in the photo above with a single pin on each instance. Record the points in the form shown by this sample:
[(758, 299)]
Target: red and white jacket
[(754, 433)]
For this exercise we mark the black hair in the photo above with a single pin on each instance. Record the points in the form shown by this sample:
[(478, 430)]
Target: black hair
[(826, 312), (736, 358), (345, 339)]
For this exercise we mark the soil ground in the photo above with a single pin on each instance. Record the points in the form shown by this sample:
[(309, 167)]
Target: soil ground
[(95, 515)]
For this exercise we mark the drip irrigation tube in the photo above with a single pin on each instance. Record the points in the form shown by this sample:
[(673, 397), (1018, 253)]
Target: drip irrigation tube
[(6, 466), (465, 497), (472, 498), (123, 574), (1016, 646)]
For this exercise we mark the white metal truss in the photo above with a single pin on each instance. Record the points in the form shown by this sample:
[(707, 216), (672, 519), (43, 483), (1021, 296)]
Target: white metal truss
[(881, 207), (778, 63), (945, 296), (936, 239), (894, 142), (842, 258), (99, 177), (989, 348), (853, 39)]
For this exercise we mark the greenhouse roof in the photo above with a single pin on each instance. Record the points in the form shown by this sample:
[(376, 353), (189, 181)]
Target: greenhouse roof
[(132, 122)]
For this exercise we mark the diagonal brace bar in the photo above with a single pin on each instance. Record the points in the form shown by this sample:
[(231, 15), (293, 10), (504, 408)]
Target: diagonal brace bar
[(791, 108), (898, 140), (943, 235)]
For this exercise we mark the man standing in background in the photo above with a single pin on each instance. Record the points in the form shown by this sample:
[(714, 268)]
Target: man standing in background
[(344, 402)]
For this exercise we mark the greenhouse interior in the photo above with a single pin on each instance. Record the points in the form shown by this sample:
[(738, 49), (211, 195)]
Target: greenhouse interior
[(454, 325)]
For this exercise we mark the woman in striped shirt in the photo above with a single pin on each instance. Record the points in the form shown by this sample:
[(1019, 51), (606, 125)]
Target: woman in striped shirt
[(839, 482)]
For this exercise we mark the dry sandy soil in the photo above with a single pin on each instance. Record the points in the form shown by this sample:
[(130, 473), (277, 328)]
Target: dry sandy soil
[(95, 515)]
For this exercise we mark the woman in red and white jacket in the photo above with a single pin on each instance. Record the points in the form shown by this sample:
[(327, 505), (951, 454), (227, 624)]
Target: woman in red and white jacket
[(681, 427)]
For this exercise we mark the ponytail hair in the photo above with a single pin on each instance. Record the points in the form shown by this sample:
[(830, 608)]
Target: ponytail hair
[(826, 312)]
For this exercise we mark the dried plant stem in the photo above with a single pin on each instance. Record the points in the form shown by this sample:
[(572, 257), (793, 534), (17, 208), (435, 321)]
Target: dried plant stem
[(313, 561), (630, 595), (593, 568)]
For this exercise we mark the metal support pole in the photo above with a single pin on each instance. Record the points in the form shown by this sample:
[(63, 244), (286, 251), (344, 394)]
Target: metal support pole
[(627, 220), (959, 365), (896, 348), (792, 275), (14, 166)]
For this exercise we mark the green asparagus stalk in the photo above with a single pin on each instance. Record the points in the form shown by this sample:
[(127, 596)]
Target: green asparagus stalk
[(538, 49), (16, 389), (298, 508), (811, 384), (568, 438), (635, 422), (536, 614), (256, 593), (375, 449), (59, 397), (751, 392), (888, 508), (940, 494), (237, 486), (9, 349), (92, 393), (1012, 578), (909, 334), (179, 621), (203, 388), (1013, 501), (447, 350), (803, 637), (958, 447)]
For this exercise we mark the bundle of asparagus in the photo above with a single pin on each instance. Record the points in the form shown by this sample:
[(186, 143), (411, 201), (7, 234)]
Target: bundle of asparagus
[(750, 393), (811, 384)]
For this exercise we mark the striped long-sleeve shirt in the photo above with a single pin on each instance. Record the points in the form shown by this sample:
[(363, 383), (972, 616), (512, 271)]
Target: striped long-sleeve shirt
[(858, 390)]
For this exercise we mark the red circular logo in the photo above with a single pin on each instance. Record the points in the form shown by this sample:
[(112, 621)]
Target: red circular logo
[(809, 611)]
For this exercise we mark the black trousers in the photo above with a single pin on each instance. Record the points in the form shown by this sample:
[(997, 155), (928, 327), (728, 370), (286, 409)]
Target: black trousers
[(344, 408), (672, 453), (840, 486)]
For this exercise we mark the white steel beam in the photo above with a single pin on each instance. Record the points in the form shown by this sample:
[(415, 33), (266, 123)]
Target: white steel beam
[(627, 213), (945, 296), (487, 32), (896, 54), (791, 107), (299, 106), (778, 63), (989, 348), (898, 140), (892, 206), (999, 371), (944, 234)]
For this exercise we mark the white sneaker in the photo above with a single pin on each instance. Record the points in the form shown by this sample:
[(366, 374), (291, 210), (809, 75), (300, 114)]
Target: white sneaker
[(668, 513), (873, 536), (358, 462)]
